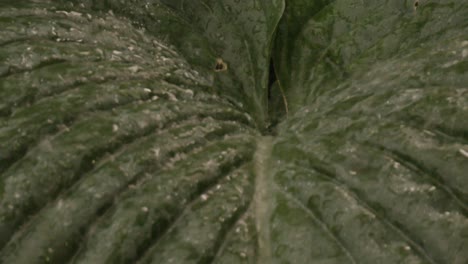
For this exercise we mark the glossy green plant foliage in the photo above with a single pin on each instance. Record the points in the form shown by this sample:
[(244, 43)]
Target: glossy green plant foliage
[(374, 152), (136, 132), (239, 33)]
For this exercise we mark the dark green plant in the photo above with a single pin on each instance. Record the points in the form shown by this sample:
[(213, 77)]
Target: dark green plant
[(228, 131)]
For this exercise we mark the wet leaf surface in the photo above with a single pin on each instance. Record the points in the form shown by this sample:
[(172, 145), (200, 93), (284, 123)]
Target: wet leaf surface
[(137, 132)]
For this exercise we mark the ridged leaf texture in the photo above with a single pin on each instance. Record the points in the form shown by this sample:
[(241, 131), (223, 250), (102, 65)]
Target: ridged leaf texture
[(155, 132)]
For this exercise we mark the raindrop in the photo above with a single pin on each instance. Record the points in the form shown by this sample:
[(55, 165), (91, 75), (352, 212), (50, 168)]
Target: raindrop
[(156, 152), (189, 93), (134, 69), (463, 152)]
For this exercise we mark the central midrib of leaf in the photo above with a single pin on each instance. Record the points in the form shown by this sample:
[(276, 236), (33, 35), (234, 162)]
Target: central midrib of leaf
[(263, 199)]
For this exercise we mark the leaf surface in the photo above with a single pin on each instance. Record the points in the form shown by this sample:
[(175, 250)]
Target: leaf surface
[(374, 150), (121, 142)]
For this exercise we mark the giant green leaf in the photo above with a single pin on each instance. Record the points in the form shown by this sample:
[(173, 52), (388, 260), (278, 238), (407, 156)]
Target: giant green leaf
[(206, 31), (121, 143), (374, 152)]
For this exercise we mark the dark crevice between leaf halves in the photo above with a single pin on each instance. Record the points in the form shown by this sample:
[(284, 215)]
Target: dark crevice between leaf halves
[(277, 105), (271, 78)]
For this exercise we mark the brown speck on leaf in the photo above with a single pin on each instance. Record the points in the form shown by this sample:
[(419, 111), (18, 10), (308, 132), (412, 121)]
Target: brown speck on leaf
[(220, 65), (416, 4)]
